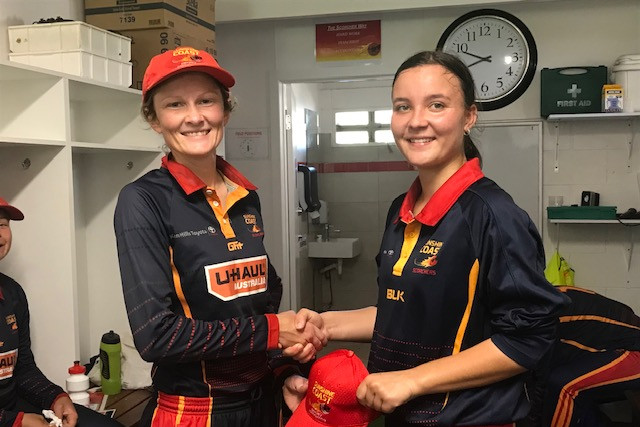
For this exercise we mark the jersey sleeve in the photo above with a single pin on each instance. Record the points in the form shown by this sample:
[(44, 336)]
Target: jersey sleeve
[(10, 418), (32, 385), (160, 334), (523, 305)]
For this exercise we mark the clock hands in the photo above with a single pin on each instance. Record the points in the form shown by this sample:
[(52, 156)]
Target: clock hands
[(480, 59)]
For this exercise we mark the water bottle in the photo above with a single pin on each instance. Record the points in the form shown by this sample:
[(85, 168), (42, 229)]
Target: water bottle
[(110, 363), (78, 384)]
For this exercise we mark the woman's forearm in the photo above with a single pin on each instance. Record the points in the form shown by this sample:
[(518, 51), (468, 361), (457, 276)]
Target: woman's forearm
[(350, 325), (477, 366)]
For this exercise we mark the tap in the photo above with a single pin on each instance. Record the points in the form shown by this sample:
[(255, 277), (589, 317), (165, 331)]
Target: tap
[(328, 229)]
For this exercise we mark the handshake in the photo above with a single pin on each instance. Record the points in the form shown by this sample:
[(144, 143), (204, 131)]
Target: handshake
[(302, 334)]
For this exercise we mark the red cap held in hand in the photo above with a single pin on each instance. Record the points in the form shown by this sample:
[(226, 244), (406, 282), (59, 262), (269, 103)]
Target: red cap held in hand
[(331, 396), (180, 60)]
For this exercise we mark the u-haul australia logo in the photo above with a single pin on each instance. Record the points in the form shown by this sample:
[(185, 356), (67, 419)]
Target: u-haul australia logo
[(7, 362), (233, 279)]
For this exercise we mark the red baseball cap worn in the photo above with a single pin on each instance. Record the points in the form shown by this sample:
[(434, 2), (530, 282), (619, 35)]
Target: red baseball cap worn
[(331, 397), (180, 60), (14, 213)]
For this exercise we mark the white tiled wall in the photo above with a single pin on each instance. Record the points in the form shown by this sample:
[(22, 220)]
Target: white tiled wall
[(594, 156), (358, 203)]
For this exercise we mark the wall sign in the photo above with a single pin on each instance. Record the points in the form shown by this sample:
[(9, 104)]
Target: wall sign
[(348, 41), (247, 143)]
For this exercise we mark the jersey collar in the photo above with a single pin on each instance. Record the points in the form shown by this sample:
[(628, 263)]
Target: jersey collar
[(443, 198), (190, 182)]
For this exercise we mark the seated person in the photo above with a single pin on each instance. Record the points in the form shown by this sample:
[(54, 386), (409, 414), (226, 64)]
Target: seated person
[(596, 358), (24, 390)]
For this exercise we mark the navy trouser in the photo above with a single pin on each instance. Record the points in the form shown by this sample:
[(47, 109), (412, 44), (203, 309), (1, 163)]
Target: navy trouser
[(574, 389), (86, 417)]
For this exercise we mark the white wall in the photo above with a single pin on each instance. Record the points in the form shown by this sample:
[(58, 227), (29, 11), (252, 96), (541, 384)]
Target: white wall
[(563, 36), (247, 10)]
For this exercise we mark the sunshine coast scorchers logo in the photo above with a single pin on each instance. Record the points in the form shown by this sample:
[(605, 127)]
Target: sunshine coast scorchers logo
[(428, 258), (238, 278), (319, 405)]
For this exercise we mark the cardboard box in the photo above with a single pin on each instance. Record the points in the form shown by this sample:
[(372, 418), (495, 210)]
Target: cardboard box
[(145, 44), (571, 90), (183, 16), (612, 99)]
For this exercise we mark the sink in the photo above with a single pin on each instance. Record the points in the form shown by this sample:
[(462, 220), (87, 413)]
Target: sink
[(341, 247)]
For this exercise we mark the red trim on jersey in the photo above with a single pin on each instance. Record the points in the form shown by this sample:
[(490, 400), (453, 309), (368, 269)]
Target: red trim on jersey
[(274, 331), (18, 420), (443, 198), (58, 397), (190, 182)]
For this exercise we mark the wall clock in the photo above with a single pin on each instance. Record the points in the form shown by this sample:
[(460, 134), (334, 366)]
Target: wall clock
[(500, 52)]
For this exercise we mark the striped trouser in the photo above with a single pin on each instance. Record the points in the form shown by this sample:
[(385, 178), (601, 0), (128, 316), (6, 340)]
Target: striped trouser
[(573, 388), (182, 411)]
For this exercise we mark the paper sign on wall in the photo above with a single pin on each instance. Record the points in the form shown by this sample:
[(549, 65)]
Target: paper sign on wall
[(247, 143), (348, 41)]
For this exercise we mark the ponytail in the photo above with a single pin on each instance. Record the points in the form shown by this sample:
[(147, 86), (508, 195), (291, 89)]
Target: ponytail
[(470, 149)]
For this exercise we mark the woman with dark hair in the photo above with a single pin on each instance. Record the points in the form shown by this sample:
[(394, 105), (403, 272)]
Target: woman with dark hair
[(464, 311)]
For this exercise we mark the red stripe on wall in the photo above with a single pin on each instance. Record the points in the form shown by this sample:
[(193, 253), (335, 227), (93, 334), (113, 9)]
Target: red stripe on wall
[(396, 166)]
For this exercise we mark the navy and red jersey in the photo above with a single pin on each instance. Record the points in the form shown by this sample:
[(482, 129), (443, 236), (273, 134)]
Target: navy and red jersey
[(198, 286), (596, 359), (19, 375), (593, 323), (467, 268)]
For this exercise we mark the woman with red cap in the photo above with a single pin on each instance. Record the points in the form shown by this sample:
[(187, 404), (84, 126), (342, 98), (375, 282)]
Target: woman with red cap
[(24, 390), (200, 292)]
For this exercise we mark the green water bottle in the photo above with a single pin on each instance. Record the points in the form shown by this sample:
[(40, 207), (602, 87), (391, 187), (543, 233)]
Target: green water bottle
[(110, 363)]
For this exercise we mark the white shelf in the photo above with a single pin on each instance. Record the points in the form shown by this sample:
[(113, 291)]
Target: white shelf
[(67, 147), (8, 141), (594, 221), (590, 116)]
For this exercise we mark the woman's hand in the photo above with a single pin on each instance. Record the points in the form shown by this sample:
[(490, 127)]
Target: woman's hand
[(385, 391), (64, 409), (34, 420), (294, 390), (302, 334)]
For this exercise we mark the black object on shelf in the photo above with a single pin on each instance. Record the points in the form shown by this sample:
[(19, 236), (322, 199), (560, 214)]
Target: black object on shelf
[(52, 20), (631, 213)]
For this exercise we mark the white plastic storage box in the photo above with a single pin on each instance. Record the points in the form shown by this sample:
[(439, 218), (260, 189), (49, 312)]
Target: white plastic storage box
[(626, 72), (69, 36), (79, 63)]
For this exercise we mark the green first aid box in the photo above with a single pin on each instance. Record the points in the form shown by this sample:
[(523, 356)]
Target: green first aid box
[(571, 90)]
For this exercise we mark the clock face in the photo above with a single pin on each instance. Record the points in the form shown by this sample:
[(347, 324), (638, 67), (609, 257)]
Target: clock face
[(499, 51)]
